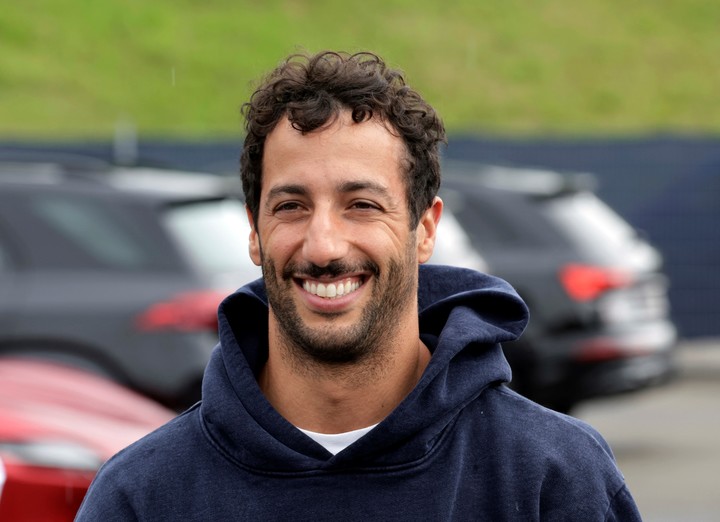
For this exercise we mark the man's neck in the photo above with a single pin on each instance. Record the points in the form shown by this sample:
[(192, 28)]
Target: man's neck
[(340, 398)]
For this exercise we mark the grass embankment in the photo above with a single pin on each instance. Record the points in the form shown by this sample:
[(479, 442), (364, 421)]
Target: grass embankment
[(71, 68)]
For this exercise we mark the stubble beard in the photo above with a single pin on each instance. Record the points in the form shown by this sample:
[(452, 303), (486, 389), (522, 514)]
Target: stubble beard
[(365, 342)]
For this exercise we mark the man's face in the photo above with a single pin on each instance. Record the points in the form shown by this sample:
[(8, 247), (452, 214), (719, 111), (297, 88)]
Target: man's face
[(333, 238)]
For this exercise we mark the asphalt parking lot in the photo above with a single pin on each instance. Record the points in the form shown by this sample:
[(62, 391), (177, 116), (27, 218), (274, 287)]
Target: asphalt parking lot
[(667, 440)]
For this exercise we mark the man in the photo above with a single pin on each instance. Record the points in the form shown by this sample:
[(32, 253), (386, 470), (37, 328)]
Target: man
[(352, 383)]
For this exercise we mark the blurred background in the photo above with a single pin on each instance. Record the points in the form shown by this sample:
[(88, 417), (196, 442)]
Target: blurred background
[(597, 122)]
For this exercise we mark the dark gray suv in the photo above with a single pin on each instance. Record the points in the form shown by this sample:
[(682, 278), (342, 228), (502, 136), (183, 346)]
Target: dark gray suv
[(118, 270), (599, 309)]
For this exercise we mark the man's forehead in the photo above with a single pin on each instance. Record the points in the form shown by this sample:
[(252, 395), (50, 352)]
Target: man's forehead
[(342, 147)]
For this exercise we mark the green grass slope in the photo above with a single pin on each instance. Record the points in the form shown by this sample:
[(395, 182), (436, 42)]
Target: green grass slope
[(76, 68)]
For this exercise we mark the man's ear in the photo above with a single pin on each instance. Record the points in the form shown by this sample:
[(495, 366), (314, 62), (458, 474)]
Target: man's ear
[(427, 228), (254, 246)]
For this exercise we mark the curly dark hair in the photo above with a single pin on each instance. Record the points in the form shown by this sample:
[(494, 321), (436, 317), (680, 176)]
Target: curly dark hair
[(313, 90)]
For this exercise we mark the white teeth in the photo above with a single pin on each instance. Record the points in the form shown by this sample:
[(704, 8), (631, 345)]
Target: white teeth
[(330, 290)]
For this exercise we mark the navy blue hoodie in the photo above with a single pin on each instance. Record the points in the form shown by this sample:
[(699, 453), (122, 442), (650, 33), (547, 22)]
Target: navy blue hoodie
[(460, 446)]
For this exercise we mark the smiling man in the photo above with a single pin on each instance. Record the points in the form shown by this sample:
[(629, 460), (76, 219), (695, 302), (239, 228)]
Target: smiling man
[(339, 251), (353, 382)]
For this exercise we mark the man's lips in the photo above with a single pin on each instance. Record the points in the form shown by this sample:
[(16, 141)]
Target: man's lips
[(332, 289)]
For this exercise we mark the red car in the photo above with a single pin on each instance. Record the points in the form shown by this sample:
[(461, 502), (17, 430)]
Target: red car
[(57, 426)]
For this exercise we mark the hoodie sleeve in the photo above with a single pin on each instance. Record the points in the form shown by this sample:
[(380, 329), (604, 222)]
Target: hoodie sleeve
[(623, 508), (105, 501)]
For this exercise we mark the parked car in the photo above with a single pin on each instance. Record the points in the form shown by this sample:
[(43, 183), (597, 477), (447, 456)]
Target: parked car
[(118, 270), (598, 297), (58, 424)]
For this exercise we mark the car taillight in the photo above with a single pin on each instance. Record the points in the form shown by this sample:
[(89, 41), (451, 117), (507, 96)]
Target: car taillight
[(607, 349), (186, 312), (587, 282)]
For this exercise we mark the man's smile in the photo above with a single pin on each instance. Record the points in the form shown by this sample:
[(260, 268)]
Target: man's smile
[(331, 290)]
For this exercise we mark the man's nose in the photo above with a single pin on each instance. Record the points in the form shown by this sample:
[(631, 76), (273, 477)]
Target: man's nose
[(325, 239)]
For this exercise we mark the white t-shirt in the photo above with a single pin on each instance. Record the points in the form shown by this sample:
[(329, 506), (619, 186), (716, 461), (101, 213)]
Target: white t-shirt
[(336, 442)]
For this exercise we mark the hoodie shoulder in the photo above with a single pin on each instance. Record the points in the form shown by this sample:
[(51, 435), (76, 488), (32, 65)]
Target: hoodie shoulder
[(566, 463), (142, 481)]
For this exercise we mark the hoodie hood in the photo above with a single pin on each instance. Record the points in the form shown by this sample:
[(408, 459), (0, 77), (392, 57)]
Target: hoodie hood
[(464, 315)]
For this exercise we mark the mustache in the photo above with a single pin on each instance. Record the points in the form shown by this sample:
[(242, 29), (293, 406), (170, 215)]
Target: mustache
[(332, 269)]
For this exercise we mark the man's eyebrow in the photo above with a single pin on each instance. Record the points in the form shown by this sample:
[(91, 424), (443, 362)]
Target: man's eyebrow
[(346, 187), (289, 188), (356, 186)]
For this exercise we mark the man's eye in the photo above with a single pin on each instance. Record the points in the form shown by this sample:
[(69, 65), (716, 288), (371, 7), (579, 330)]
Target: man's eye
[(287, 206), (364, 205)]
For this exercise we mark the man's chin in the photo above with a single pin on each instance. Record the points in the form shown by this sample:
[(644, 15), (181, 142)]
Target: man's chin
[(333, 346)]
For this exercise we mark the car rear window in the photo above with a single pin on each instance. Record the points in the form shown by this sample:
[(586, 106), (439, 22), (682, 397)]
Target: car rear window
[(587, 221), (495, 218), (76, 231), (214, 235)]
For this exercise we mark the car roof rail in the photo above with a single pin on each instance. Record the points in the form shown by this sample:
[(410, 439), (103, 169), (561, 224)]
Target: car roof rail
[(535, 182), (66, 160), (49, 166)]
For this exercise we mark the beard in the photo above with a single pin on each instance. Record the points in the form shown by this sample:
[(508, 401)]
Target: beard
[(394, 291)]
